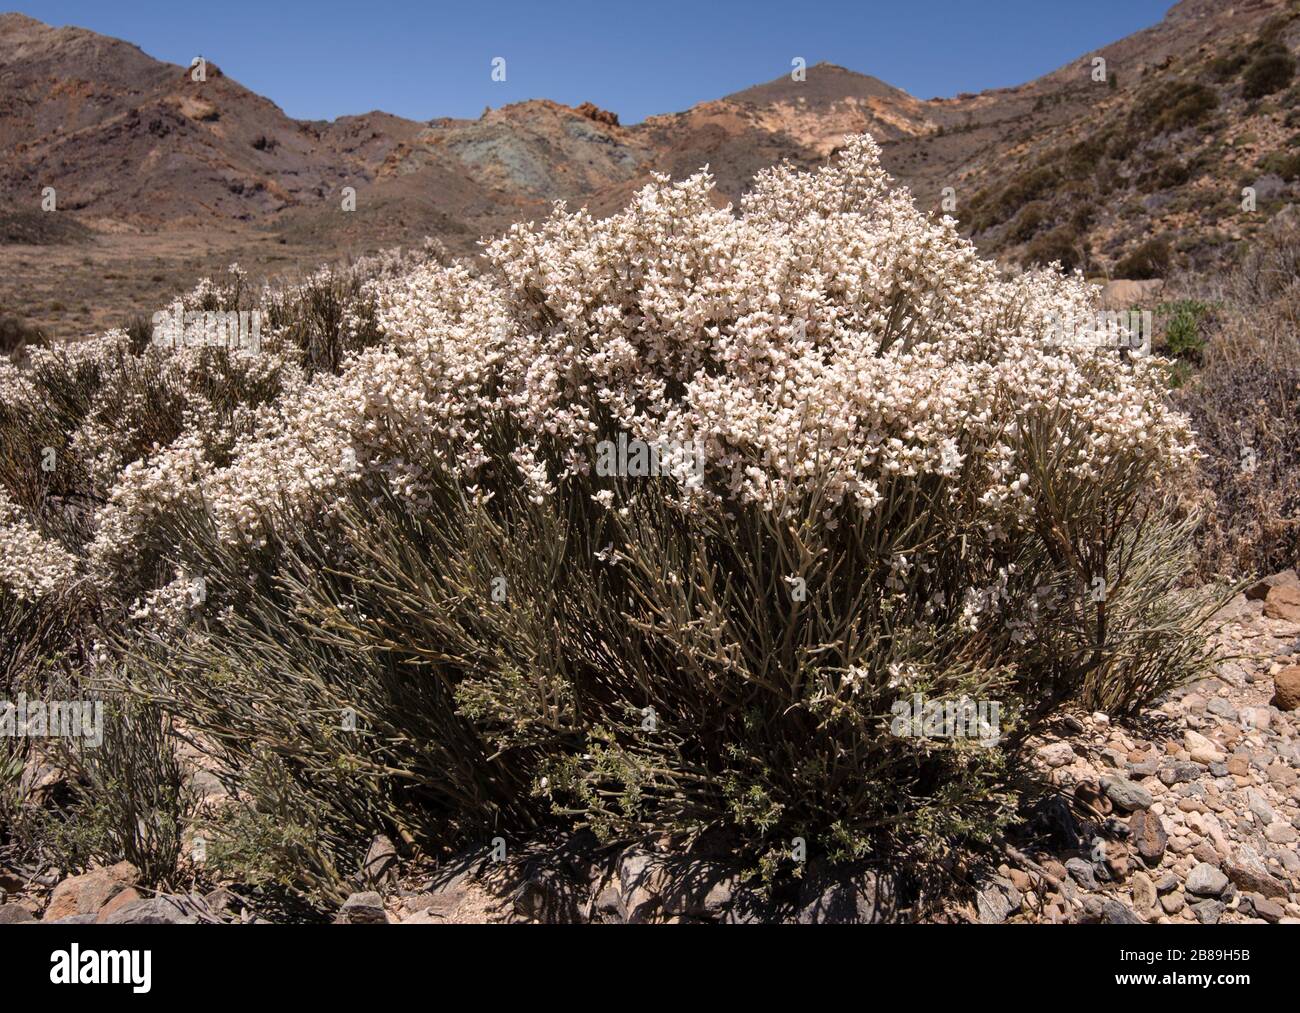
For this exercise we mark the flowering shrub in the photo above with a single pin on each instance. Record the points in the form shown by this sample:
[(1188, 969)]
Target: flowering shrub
[(888, 481)]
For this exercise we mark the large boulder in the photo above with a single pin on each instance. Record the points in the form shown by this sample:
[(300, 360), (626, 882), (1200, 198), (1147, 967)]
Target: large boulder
[(1286, 689), (88, 893), (1283, 602), (1260, 589), (1123, 294)]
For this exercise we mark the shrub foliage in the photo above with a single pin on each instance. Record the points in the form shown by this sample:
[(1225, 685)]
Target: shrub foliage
[(382, 574)]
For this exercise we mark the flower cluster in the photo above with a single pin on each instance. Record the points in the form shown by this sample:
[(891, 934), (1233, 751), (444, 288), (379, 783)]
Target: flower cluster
[(828, 330), (31, 567)]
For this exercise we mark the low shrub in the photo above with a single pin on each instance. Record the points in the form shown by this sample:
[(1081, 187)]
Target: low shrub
[(129, 794), (1150, 259), (1033, 216), (426, 586), (1270, 71), (1172, 107), (1245, 406), (1063, 245)]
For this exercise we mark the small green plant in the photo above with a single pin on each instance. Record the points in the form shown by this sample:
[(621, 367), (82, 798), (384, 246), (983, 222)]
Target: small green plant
[(1183, 327)]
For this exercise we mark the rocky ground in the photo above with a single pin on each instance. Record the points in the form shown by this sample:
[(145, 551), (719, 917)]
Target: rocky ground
[(1189, 814), (1192, 818)]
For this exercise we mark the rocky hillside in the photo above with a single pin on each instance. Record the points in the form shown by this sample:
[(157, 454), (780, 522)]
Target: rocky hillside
[(124, 137), (1185, 114)]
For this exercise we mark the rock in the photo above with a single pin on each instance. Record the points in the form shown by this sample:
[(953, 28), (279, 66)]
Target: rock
[(437, 906), (1193, 703), (1283, 602), (1201, 749), (607, 906), (1123, 294), (701, 890), (1126, 794), (1282, 775), (1172, 903), (1178, 772), (1167, 881), (1256, 803), (1280, 833), (128, 896), (641, 881), (1081, 872), (1116, 862), (993, 904), (1286, 689), (380, 863), (1057, 754), (1238, 765), (365, 908), (594, 112), (1269, 910), (1149, 836), (87, 893), (863, 897), (1206, 852), (14, 914), (1259, 591), (1222, 708), (1256, 717), (1087, 793), (160, 910), (220, 901), (1206, 881), (1143, 892), (1115, 913), (428, 916), (1208, 912), (1248, 872), (1148, 766), (547, 897)]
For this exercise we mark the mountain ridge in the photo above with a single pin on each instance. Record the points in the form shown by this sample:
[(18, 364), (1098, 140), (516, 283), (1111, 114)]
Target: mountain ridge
[(1061, 167)]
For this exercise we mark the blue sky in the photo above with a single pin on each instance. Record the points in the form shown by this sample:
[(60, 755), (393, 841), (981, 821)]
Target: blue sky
[(319, 59)]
